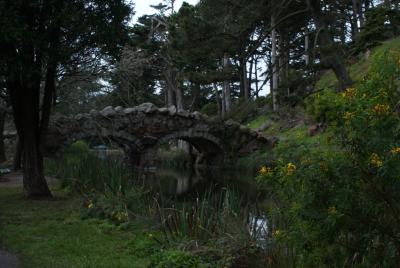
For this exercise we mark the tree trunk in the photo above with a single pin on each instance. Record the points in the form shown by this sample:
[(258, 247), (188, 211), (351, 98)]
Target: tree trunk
[(355, 18), (178, 91), (245, 84), (250, 78), (35, 184), (195, 94), (171, 95), (256, 76), (227, 88), (166, 95), (343, 26), (217, 99), (25, 99), (274, 63), (241, 80), (223, 102), (284, 59), (17, 161), (329, 53), (3, 115), (179, 99), (169, 78), (26, 70), (361, 13), (307, 46)]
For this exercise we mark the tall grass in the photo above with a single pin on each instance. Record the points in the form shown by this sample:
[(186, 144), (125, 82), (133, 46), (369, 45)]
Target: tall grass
[(107, 185), (213, 215), (86, 173), (221, 221), (91, 174)]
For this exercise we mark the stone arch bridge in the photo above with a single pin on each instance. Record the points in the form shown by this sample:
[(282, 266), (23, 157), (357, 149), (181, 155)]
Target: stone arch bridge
[(139, 131)]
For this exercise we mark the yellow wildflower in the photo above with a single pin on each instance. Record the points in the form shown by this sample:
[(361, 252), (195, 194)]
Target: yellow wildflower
[(90, 204), (332, 210), (395, 150), (120, 216), (324, 167), (375, 160), (349, 93), (276, 232), (291, 168), (381, 109), (265, 170), (348, 115)]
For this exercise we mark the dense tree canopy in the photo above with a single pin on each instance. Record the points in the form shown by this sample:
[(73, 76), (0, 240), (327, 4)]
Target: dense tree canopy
[(42, 42), (224, 50)]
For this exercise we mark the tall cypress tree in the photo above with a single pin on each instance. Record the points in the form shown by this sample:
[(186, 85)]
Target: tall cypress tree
[(37, 37)]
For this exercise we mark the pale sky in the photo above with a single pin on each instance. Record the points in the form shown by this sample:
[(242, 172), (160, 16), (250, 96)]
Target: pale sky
[(142, 7)]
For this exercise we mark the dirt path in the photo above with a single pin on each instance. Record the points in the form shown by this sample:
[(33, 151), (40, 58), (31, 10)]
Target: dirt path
[(8, 260), (13, 179)]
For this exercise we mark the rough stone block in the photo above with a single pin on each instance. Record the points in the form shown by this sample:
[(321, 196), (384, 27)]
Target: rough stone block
[(108, 111), (129, 110), (147, 107), (118, 109)]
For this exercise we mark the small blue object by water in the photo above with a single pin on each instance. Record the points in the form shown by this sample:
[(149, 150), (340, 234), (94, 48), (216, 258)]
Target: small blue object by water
[(100, 147), (5, 170)]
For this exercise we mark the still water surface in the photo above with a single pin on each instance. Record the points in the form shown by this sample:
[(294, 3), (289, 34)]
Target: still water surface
[(189, 185)]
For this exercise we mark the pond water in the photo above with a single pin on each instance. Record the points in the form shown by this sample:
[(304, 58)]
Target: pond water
[(176, 186), (191, 184)]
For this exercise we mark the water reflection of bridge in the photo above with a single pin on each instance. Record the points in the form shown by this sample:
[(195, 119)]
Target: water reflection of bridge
[(171, 182)]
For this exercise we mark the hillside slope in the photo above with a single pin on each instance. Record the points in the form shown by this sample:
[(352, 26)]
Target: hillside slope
[(359, 68), (293, 130)]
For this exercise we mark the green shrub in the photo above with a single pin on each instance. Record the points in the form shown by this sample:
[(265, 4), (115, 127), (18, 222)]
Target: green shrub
[(340, 209), (78, 148), (209, 109), (243, 110), (143, 246), (175, 259), (324, 106)]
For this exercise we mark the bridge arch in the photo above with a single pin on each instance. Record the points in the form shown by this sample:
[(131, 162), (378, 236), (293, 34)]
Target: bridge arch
[(210, 149), (139, 130)]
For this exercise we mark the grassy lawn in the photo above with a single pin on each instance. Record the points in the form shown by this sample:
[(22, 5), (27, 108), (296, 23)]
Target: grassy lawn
[(51, 234)]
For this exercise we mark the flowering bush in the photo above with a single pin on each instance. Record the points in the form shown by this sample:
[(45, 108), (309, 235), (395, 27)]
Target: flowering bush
[(343, 208)]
